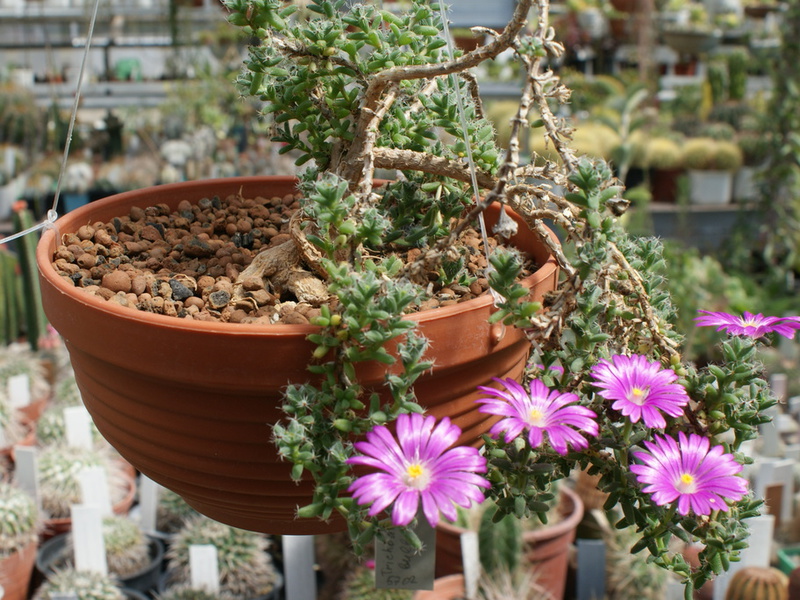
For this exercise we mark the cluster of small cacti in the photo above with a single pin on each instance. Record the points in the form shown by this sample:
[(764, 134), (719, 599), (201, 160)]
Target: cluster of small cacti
[(360, 585), (59, 467), (758, 583), (85, 585), (246, 569), (19, 519), (172, 511)]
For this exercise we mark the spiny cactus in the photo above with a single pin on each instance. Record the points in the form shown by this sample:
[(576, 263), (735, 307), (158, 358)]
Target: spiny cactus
[(758, 583), (172, 511), (66, 392), (127, 548), (360, 585), (245, 568), (59, 485), (187, 592), (20, 360), (85, 585), (35, 319), (631, 576), (500, 542), (19, 519), (11, 424)]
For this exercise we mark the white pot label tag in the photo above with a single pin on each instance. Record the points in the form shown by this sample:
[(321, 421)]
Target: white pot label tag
[(19, 390), (149, 492), (87, 535), (204, 567), (26, 473), (471, 560), (399, 565), (77, 423), (94, 488)]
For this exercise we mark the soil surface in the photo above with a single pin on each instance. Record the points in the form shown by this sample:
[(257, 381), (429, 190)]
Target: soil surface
[(185, 263)]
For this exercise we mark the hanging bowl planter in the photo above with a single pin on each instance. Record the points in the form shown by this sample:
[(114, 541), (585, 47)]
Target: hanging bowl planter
[(191, 404)]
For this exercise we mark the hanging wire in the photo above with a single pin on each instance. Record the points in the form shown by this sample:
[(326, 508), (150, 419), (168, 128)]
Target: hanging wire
[(52, 214), (462, 115)]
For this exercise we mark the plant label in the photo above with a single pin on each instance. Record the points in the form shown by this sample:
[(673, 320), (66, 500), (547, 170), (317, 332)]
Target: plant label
[(78, 427), (204, 567), (19, 390), (149, 492), (399, 565), (298, 556), (471, 560), (591, 569), (26, 472), (94, 488), (87, 533)]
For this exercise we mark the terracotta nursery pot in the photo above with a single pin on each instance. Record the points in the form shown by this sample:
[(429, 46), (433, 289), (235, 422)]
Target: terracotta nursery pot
[(191, 404), (450, 587), (15, 572), (546, 548)]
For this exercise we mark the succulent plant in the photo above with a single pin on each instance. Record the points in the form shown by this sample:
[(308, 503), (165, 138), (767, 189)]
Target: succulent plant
[(187, 592), (172, 511), (630, 576), (663, 153), (360, 585), (704, 153), (20, 360), (59, 485), (246, 569), (127, 548), (86, 585), (758, 583), (19, 519)]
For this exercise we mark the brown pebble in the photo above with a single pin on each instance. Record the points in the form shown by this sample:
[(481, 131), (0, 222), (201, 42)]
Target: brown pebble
[(295, 318), (86, 232), (117, 281), (86, 260), (475, 288), (195, 302)]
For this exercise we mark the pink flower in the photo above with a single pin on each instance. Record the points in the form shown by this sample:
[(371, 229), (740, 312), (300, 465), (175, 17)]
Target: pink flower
[(418, 467), (688, 471), (748, 324), (540, 412), (640, 389)]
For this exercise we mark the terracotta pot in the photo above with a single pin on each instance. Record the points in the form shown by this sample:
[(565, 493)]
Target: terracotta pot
[(450, 587), (546, 548), (664, 184), (191, 404), (15, 572)]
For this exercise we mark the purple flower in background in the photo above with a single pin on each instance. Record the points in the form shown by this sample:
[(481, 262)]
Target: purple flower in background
[(748, 324), (542, 411), (417, 466), (688, 471), (640, 389)]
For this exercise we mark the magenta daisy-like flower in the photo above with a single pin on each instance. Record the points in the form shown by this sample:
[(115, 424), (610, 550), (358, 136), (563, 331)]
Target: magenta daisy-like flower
[(748, 324), (640, 389), (700, 478), (540, 412), (418, 466)]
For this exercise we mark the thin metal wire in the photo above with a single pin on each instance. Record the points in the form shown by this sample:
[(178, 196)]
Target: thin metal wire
[(448, 38), (52, 214)]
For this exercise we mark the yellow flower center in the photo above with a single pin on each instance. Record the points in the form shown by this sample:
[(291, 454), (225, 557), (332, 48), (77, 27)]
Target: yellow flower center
[(417, 476), (686, 484), (415, 471), (638, 395), (535, 416)]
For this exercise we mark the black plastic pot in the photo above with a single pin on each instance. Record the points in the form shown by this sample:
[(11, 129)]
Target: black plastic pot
[(54, 553)]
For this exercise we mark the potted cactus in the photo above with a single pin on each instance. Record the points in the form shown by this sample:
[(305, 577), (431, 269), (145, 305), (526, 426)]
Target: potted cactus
[(360, 585), (19, 531), (664, 158), (133, 558), (85, 585), (711, 164), (59, 486), (246, 569)]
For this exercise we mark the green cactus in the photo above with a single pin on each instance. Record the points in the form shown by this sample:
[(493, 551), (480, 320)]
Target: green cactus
[(758, 583), (86, 585), (246, 569), (127, 548), (35, 319), (630, 576), (10, 298), (186, 592), (59, 485), (19, 519), (18, 360), (360, 585), (737, 74), (172, 511), (500, 542)]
